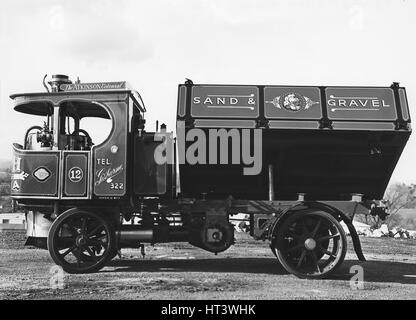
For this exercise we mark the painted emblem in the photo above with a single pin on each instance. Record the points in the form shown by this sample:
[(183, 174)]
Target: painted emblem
[(42, 174), (293, 102), (20, 176), (75, 174)]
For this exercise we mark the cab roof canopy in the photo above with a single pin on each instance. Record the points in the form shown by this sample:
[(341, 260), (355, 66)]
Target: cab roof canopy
[(77, 99), (76, 109)]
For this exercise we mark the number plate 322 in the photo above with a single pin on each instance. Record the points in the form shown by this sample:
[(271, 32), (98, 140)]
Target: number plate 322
[(116, 186)]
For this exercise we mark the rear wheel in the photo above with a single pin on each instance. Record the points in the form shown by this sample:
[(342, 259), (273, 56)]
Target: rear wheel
[(81, 241), (310, 244)]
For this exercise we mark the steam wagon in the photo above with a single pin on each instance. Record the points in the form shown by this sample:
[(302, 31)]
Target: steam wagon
[(295, 160)]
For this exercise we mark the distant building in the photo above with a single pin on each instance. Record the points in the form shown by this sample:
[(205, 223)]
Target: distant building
[(13, 221)]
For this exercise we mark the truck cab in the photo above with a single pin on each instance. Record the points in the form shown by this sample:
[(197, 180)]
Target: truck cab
[(59, 160), (59, 164)]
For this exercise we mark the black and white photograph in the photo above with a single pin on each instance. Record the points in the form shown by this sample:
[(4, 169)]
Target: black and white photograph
[(207, 155)]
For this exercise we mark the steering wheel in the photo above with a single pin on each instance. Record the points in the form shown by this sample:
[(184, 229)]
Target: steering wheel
[(86, 134)]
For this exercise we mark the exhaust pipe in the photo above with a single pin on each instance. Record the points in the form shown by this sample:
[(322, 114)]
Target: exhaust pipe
[(140, 235), (130, 234)]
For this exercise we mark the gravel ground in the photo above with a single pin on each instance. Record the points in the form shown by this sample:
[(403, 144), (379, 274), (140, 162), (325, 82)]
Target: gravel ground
[(247, 270)]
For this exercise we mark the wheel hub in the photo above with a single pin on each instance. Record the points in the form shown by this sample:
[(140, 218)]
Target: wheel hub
[(310, 244), (216, 236), (81, 241)]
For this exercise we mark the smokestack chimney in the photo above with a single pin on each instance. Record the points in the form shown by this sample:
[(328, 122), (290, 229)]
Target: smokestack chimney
[(57, 80)]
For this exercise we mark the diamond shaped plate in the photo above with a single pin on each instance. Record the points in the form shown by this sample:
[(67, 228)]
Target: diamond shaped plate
[(42, 174)]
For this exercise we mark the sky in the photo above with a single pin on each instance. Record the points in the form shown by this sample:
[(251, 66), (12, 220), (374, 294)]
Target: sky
[(155, 45)]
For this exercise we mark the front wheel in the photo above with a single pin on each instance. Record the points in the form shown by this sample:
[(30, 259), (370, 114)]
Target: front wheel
[(310, 244), (81, 241)]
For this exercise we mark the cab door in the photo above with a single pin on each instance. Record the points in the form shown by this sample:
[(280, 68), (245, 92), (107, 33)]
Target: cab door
[(75, 175), (35, 174)]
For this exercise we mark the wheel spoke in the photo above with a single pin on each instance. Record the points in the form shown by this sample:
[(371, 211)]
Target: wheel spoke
[(332, 236), (315, 230), (68, 251), (329, 253), (315, 261), (95, 230), (98, 237), (72, 229), (94, 242), (291, 233), (84, 224), (77, 255), (294, 248), (65, 242), (302, 257), (91, 252)]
